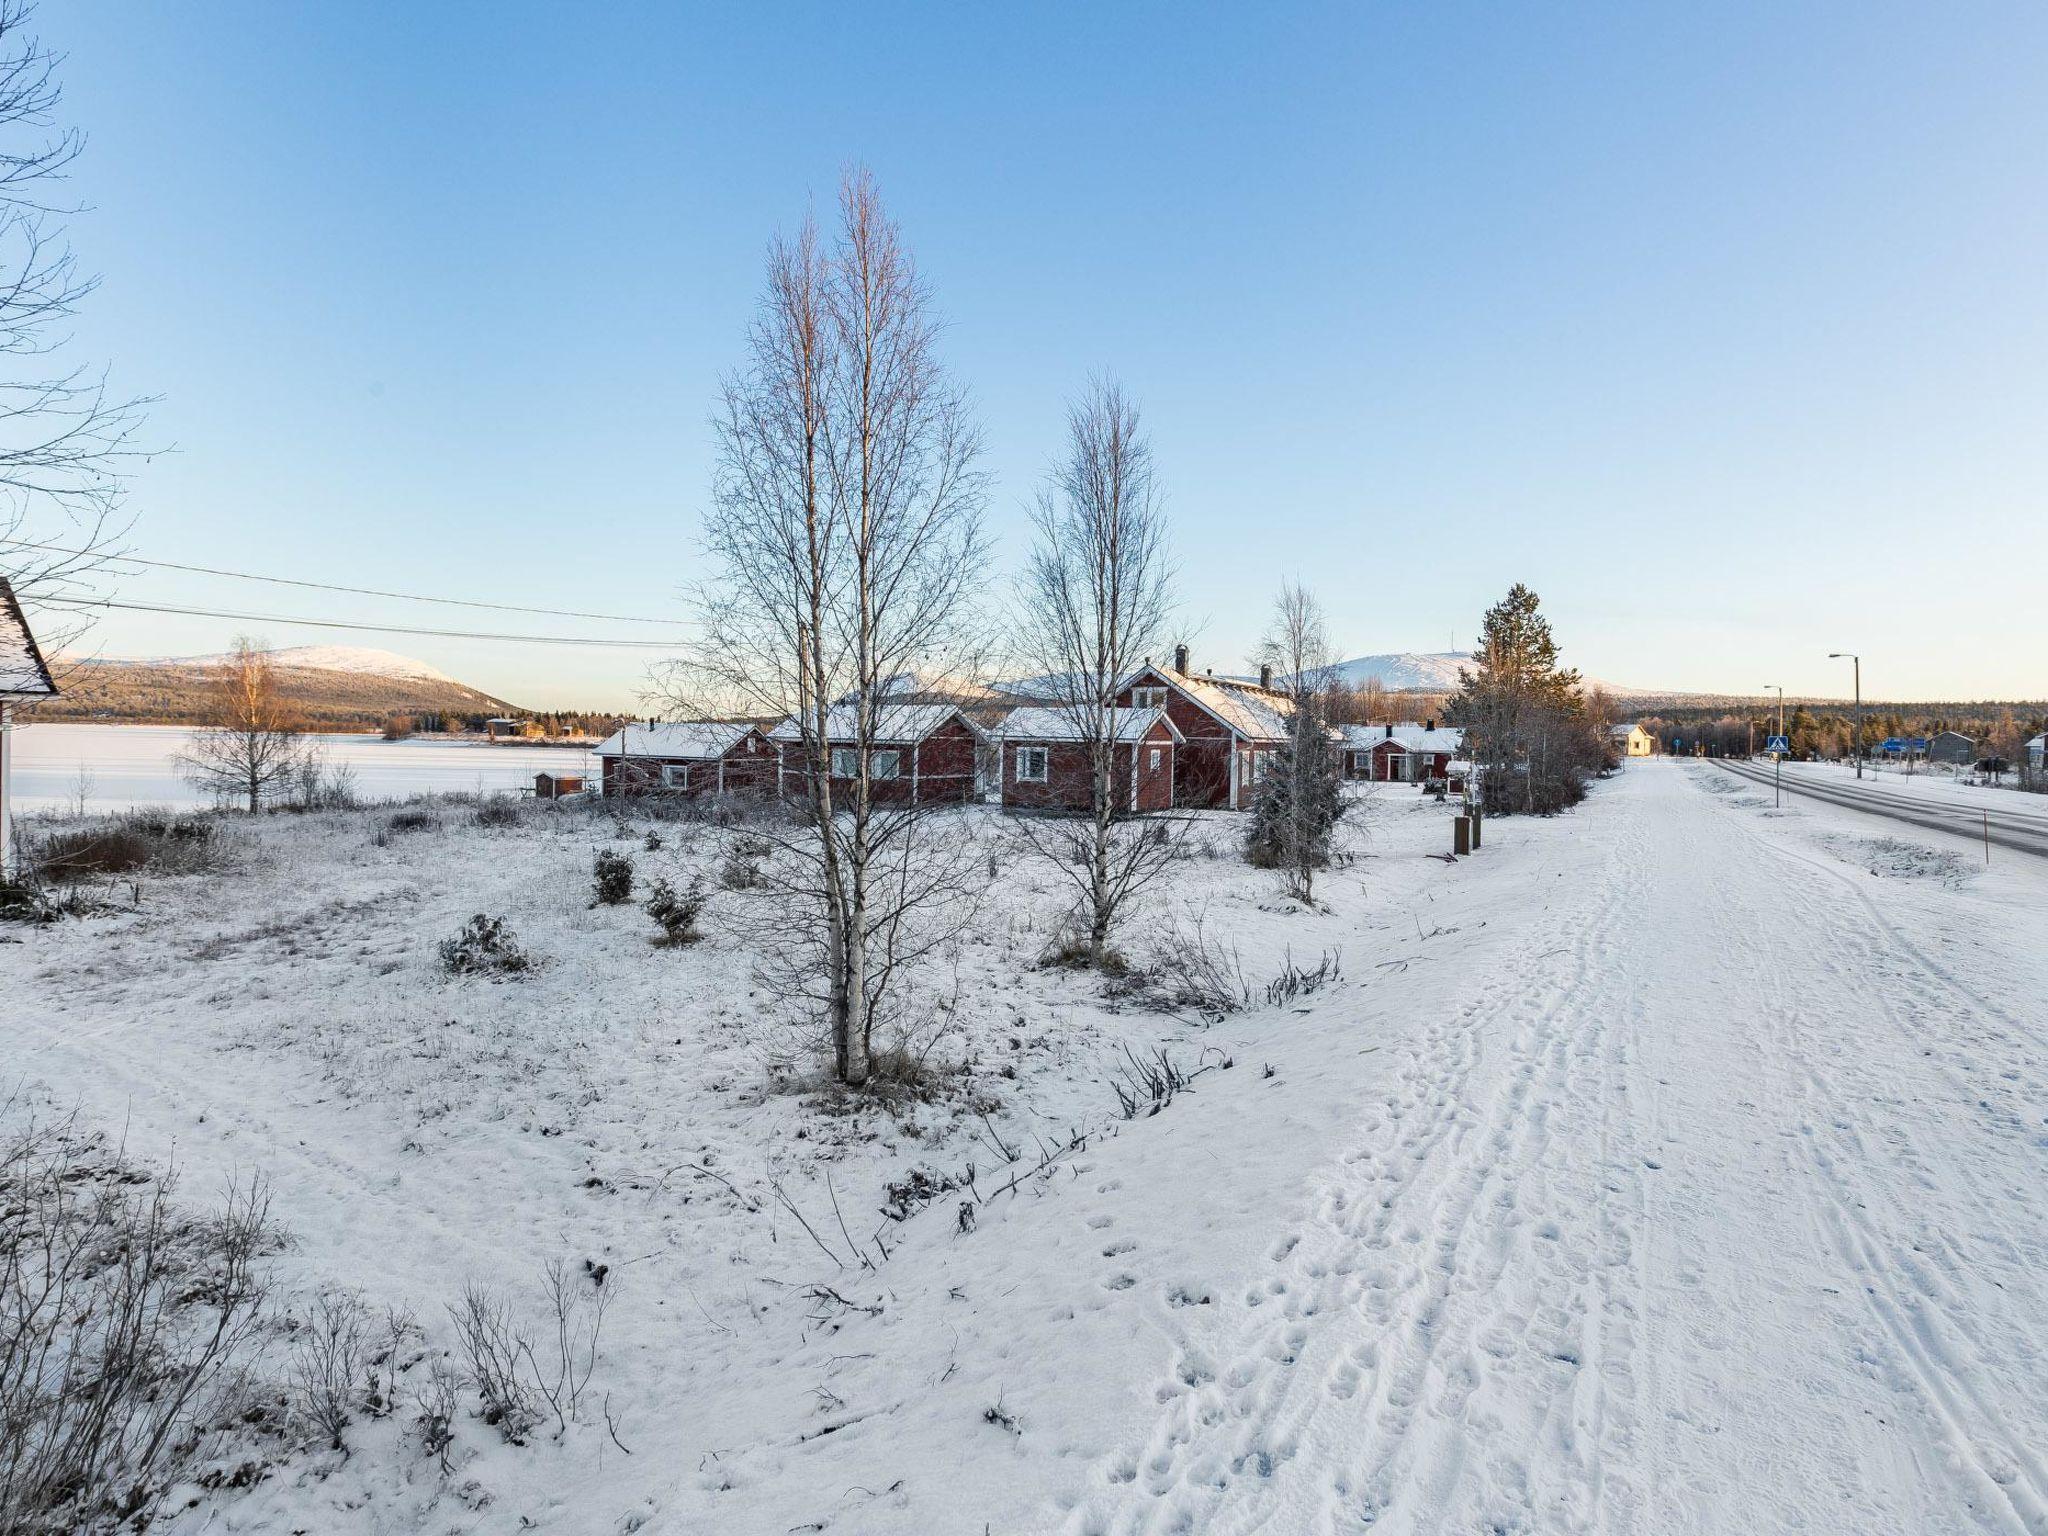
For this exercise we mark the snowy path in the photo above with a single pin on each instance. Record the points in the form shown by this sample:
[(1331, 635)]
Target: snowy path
[(1720, 1209)]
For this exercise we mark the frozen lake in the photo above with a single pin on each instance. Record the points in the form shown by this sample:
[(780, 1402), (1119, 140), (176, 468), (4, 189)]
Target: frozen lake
[(116, 767)]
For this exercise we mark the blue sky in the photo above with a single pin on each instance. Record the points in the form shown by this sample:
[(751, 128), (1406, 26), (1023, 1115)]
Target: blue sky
[(1722, 326)]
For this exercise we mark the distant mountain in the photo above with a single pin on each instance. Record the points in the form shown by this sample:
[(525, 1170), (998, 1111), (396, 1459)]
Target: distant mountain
[(334, 687), (364, 659), (1406, 671)]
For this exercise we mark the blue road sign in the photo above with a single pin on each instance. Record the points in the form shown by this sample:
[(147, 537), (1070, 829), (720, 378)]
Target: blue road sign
[(1778, 744)]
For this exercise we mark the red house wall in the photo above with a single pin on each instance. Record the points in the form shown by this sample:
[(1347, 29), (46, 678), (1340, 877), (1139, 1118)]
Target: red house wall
[(1068, 782), (939, 768), (1201, 762), (744, 772)]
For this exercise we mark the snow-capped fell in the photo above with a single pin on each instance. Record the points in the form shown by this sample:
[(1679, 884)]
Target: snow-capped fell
[(366, 660), (1429, 671)]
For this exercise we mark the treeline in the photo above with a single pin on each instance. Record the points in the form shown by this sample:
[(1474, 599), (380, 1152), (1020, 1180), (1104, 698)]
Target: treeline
[(1998, 729)]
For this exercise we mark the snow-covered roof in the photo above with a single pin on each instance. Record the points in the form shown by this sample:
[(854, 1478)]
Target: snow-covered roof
[(1619, 731), (893, 722), (22, 672), (1259, 714), (1065, 724), (1410, 737), (677, 739)]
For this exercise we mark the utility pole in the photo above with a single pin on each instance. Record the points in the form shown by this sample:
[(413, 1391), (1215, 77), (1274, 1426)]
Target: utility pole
[(1857, 745), (1778, 758)]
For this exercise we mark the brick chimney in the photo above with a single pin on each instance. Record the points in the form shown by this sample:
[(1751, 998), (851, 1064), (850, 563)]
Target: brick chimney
[(1265, 674), (1180, 659)]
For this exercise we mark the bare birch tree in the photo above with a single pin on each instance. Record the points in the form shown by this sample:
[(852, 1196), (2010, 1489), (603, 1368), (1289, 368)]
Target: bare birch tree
[(1095, 601), (846, 530), (63, 437), (1300, 798), (253, 746)]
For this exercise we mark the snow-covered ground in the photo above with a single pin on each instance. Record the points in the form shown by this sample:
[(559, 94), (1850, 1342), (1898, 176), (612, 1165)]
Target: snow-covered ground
[(119, 767), (1674, 1165)]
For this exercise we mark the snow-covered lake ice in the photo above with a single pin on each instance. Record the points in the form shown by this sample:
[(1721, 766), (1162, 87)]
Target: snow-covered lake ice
[(118, 767)]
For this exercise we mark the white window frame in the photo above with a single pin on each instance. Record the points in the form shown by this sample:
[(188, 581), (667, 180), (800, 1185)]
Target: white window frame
[(845, 762), (1148, 698), (675, 775), (1044, 759), (886, 764), (1152, 762), (1259, 765)]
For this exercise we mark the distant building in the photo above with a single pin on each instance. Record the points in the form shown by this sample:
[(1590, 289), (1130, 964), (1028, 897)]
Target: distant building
[(1406, 753), (1951, 747), (2036, 750), (24, 678), (501, 728), (1631, 740)]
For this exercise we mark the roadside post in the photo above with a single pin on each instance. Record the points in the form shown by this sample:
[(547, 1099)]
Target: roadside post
[(1987, 837), (1778, 747), (1461, 835)]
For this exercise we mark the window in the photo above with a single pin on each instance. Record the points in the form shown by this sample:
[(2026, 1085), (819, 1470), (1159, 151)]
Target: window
[(1152, 760), (883, 765), (1260, 762), (1031, 765), (1148, 698), (845, 763), (675, 775)]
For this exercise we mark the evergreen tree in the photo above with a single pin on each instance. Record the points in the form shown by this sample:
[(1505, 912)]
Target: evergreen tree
[(1526, 726)]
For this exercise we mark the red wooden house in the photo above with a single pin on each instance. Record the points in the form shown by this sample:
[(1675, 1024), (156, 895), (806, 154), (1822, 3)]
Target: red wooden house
[(1047, 762), (1229, 729), (1400, 754), (917, 754), (687, 757)]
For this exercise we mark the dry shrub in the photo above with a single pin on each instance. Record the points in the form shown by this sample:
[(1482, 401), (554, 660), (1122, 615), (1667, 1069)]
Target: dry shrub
[(122, 845), (124, 1324), (498, 811), (485, 947)]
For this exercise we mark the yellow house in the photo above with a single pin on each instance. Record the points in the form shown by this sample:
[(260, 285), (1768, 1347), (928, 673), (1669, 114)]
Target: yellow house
[(1632, 741)]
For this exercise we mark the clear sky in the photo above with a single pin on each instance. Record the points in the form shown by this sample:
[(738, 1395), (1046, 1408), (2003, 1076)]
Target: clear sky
[(1722, 326)]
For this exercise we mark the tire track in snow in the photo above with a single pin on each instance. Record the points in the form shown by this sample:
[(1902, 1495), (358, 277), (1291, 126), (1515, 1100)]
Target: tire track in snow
[(1939, 1339)]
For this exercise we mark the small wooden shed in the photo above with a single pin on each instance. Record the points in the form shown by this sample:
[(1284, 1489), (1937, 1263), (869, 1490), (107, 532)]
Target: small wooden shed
[(24, 678), (553, 786)]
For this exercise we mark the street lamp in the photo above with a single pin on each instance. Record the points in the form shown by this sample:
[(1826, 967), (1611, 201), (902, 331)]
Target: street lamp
[(1778, 758), (1858, 660)]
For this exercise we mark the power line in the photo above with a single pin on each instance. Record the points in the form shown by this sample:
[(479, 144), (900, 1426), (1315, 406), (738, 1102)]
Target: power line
[(382, 629), (325, 586)]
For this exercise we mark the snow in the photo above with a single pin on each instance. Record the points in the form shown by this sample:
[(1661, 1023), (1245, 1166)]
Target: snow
[(1658, 1169), (893, 722), (1040, 723), (675, 739), (1424, 671), (120, 767), (366, 659)]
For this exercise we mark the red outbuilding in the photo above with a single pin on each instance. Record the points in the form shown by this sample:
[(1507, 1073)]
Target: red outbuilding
[(1048, 765), (917, 753), (687, 757)]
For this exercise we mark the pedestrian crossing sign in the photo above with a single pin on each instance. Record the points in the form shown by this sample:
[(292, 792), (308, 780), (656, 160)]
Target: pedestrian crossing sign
[(1778, 744)]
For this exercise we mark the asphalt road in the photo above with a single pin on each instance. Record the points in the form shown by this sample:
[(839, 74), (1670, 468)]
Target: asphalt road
[(2022, 829)]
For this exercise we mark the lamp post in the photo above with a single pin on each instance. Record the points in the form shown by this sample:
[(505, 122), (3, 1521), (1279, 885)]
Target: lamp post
[(1778, 758), (1857, 745)]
